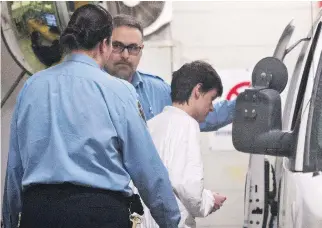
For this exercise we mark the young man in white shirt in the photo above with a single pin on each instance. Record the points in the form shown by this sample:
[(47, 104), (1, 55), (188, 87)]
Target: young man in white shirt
[(175, 133)]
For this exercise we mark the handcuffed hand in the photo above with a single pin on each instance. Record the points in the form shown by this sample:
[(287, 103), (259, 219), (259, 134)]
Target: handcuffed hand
[(219, 200)]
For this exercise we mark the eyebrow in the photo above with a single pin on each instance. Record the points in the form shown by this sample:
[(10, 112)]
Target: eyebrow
[(119, 42)]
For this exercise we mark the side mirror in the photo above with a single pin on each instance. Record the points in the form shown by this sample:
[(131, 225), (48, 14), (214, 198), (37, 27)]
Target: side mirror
[(270, 73), (257, 126)]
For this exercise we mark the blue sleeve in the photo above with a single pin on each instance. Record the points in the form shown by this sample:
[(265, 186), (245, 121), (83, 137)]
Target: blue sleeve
[(221, 116), (13, 181), (146, 169)]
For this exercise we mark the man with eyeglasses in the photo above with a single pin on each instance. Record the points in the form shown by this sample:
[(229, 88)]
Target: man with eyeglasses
[(153, 92)]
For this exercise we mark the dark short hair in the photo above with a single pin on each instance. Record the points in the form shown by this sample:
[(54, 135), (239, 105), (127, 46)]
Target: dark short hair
[(89, 25), (128, 21), (191, 74)]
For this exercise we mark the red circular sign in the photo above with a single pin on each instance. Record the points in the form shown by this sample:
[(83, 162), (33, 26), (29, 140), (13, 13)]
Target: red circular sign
[(234, 90)]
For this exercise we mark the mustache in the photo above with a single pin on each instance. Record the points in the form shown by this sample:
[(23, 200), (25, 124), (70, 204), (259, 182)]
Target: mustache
[(123, 62)]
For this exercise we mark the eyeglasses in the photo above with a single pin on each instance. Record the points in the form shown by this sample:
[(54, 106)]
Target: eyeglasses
[(133, 49)]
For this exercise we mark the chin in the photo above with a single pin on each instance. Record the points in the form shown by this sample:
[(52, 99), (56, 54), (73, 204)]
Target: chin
[(201, 120), (122, 75)]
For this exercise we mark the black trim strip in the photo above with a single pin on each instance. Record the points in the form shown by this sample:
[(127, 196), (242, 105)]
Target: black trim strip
[(12, 88)]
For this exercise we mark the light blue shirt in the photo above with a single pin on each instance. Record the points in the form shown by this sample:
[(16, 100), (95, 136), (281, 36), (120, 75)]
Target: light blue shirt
[(75, 123), (154, 94)]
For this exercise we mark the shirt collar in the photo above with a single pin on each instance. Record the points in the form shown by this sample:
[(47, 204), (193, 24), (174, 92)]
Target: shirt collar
[(178, 111), (81, 58), (175, 109), (137, 79)]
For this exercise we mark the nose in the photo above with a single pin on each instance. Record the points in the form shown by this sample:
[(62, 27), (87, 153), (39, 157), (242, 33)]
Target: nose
[(125, 53)]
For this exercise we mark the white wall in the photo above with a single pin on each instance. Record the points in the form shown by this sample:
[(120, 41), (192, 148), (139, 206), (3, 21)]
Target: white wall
[(234, 34)]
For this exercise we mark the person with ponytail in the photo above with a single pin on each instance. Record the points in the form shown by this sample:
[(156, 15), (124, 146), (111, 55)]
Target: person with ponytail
[(77, 139)]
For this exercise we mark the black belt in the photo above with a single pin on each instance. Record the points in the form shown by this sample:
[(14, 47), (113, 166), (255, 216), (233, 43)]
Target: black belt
[(133, 202)]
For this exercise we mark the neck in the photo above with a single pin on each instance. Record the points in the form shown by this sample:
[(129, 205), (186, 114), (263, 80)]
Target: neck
[(131, 78), (91, 54), (185, 107)]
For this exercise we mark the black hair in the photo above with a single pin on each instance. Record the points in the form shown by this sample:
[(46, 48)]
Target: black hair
[(89, 25), (191, 74), (127, 20)]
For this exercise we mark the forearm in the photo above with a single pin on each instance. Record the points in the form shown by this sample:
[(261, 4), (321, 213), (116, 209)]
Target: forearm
[(208, 202), (11, 202), (221, 116), (198, 201), (149, 175), (156, 192), (13, 182)]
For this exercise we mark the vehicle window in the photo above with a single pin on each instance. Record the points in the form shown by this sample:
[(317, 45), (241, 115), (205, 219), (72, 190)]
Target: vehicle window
[(313, 68), (319, 126), (315, 144), (304, 76)]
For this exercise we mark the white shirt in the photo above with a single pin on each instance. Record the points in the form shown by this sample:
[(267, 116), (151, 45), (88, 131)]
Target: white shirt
[(176, 137)]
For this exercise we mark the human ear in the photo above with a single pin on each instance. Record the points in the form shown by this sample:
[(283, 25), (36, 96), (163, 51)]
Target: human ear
[(105, 47), (197, 90)]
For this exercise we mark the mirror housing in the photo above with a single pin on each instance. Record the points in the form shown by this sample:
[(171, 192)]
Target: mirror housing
[(257, 126), (270, 73)]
